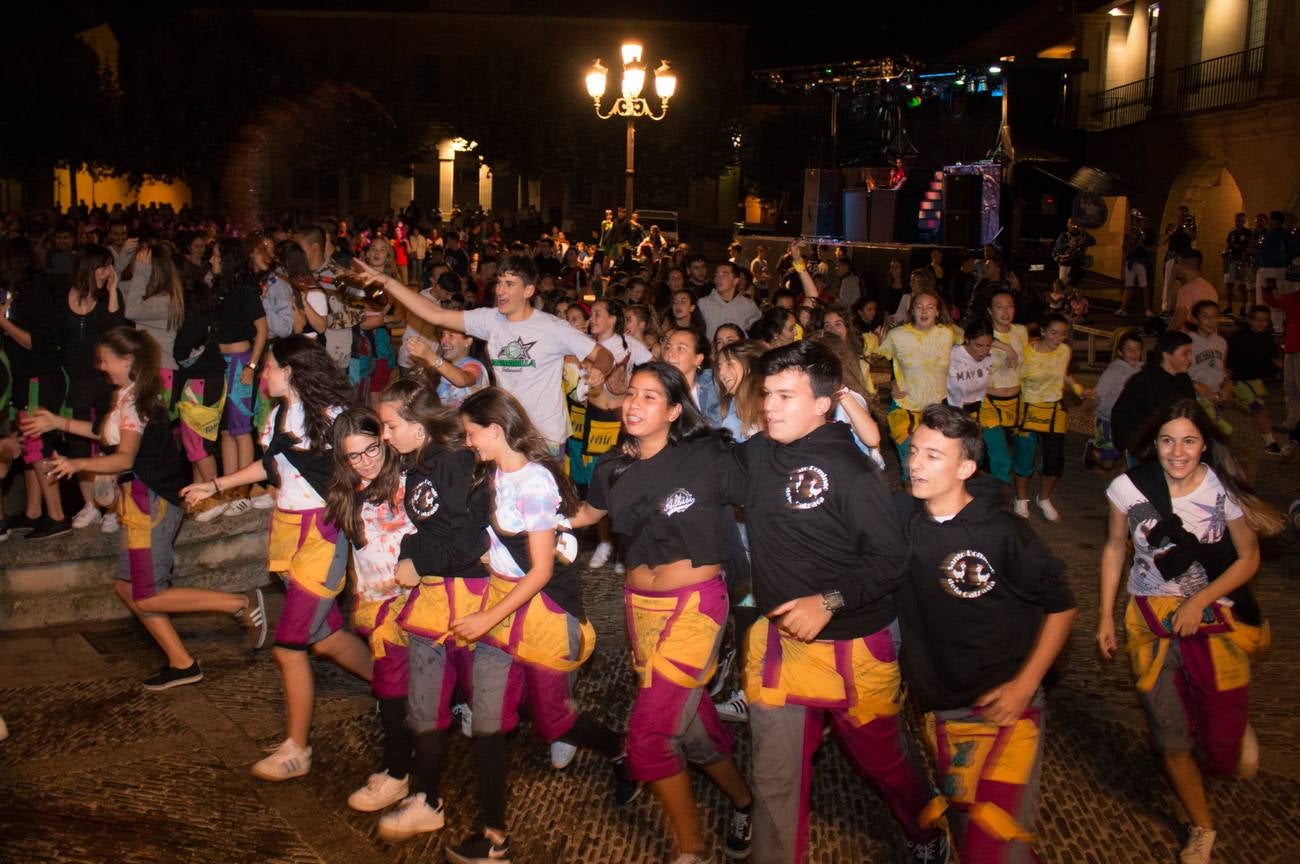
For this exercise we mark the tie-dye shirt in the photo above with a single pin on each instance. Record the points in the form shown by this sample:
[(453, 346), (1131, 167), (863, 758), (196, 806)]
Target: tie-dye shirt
[(920, 362), (375, 564)]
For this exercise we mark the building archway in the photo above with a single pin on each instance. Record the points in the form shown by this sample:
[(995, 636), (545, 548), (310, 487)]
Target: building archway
[(1208, 188)]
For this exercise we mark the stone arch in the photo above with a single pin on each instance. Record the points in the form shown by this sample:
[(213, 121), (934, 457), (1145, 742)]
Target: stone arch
[(1207, 187)]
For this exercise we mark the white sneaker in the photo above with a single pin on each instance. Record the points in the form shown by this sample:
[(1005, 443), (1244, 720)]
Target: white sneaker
[(735, 708), (620, 569), (238, 506), (415, 816), (380, 791), (286, 761), (1248, 762), (1049, 512), (265, 501), (110, 525), (209, 509), (601, 555), (462, 712), (87, 516), (1200, 841), (1020, 507), (562, 754)]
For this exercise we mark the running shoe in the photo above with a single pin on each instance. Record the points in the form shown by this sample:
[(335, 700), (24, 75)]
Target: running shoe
[(415, 816), (253, 617), (169, 677), (601, 556), (740, 832), (735, 708), (47, 528), (480, 849), (86, 516), (723, 676), (462, 712), (1200, 842), (929, 852), (380, 791), (562, 754), (1020, 506), (1049, 512), (626, 790), (287, 760), (110, 525)]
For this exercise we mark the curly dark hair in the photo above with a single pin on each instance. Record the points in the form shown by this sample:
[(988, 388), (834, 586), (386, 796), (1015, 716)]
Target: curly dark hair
[(318, 382)]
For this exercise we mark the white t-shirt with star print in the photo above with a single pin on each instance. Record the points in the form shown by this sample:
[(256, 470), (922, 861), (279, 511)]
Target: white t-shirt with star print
[(528, 360)]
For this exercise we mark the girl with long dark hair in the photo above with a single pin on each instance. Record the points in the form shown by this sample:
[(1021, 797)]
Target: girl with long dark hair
[(1191, 622), (660, 493), (366, 502), (241, 337), (138, 447), (441, 560), (93, 306), (302, 547), (532, 630)]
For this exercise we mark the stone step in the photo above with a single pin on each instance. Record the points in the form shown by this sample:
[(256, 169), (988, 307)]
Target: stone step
[(70, 579)]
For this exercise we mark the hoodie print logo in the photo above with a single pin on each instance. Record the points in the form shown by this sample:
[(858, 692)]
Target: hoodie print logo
[(967, 574), (424, 499), (678, 502), (806, 488)]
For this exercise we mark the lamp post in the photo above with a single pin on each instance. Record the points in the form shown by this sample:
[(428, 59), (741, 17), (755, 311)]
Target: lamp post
[(631, 104)]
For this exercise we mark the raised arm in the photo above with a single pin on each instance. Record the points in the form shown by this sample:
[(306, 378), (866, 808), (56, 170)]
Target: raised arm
[(421, 307)]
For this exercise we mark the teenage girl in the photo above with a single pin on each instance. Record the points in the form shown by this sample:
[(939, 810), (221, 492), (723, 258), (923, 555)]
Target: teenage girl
[(366, 502), (659, 492), (1000, 410), (969, 367), (137, 444), (1045, 373), (1191, 623), (442, 561), (532, 633), (303, 544)]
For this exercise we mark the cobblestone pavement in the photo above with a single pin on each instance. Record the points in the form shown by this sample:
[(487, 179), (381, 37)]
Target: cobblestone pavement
[(98, 770)]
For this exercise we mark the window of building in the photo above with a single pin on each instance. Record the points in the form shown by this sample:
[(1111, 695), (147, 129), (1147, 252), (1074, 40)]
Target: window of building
[(1256, 24), (1196, 32), (1153, 20)]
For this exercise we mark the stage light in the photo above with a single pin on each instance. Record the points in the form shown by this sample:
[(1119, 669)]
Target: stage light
[(1115, 12), (995, 69)]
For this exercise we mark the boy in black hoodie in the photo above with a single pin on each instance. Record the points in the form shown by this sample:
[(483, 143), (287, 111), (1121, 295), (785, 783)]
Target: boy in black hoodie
[(984, 611), (827, 558)]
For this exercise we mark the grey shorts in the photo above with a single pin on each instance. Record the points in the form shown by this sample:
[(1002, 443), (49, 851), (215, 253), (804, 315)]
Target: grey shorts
[(1171, 728)]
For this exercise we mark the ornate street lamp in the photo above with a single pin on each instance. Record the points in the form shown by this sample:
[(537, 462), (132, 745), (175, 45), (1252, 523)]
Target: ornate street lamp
[(631, 104)]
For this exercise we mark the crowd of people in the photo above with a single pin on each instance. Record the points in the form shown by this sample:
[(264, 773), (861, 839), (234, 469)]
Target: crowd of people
[(434, 414)]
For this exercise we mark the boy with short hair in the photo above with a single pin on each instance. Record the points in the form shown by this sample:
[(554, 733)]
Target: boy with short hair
[(1252, 356), (984, 611), (1209, 351)]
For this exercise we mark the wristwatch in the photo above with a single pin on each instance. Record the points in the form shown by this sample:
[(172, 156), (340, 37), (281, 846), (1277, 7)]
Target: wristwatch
[(252, 364), (833, 601)]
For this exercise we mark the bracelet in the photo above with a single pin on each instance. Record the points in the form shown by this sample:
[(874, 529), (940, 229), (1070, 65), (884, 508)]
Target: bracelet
[(800, 267), (216, 490)]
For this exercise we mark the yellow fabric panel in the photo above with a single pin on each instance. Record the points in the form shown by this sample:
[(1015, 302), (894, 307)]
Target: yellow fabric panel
[(690, 645), (307, 566), (545, 638), (1000, 413), (1040, 417)]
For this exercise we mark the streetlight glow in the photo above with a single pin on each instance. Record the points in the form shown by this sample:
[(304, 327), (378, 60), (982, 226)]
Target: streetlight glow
[(631, 104), (631, 53), (665, 82), (633, 80), (596, 80)]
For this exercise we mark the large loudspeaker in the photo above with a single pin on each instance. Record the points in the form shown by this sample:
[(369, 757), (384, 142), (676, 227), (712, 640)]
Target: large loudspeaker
[(821, 203), (962, 196), (884, 205), (857, 214)]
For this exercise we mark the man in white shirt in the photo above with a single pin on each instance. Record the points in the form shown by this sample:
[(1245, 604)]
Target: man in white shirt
[(526, 346), (724, 304)]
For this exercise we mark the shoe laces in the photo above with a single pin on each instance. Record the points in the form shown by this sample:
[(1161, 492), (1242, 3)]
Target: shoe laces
[(1200, 840), (739, 823), (375, 781)]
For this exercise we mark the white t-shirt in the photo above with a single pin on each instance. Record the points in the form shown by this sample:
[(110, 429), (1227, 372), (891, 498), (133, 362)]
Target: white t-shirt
[(1205, 513), (739, 310), (528, 358), (968, 378), (294, 492), (1207, 359), (526, 500), (636, 352), (122, 418), (375, 564)]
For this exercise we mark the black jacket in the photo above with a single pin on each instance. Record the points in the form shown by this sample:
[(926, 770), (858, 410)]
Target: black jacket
[(819, 520), (1143, 396), (976, 591), (450, 519)]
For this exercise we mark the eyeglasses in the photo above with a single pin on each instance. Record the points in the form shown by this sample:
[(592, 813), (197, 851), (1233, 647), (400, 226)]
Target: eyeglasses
[(364, 455)]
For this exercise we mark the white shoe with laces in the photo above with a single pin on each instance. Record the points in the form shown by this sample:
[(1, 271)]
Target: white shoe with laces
[(735, 708), (415, 816), (380, 791), (601, 556), (562, 754), (238, 506), (86, 517), (110, 525), (287, 760), (1020, 507), (265, 501), (1200, 842), (1049, 512)]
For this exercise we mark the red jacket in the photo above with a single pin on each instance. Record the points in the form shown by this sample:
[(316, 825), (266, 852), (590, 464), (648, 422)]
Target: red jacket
[(1290, 304)]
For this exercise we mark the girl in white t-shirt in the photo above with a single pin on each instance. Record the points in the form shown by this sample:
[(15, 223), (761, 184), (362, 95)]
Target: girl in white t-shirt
[(302, 547), (1191, 623), (970, 366), (532, 625)]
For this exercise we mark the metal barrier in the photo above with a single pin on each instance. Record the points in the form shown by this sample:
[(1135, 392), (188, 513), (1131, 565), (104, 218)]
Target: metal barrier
[(1230, 80), (1127, 104)]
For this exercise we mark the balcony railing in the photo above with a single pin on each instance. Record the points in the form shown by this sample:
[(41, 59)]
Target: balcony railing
[(1233, 79), (1128, 103)]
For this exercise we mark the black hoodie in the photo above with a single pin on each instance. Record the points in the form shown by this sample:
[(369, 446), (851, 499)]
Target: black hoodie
[(977, 588), (819, 520), (450, 517)]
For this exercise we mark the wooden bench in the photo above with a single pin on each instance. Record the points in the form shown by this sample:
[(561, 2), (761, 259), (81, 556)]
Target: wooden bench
[(1093, 334)]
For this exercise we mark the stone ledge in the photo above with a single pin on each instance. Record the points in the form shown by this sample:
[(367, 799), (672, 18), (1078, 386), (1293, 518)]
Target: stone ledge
[(70, 579)]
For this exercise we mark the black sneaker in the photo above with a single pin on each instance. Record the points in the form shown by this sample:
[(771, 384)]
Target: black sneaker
[(480, 849), (626, 790), (740, 829), (23, 522), (47, 528), (169, 677), (930, 851)]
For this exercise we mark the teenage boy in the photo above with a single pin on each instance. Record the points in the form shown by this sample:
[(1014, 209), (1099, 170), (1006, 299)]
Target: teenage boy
[(1195, 288), (984, 611), (527, 347), (1252, 357), (827, 557), (1209, 372)]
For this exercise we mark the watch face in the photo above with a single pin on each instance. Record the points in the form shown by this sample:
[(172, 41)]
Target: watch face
[(833, 600)]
